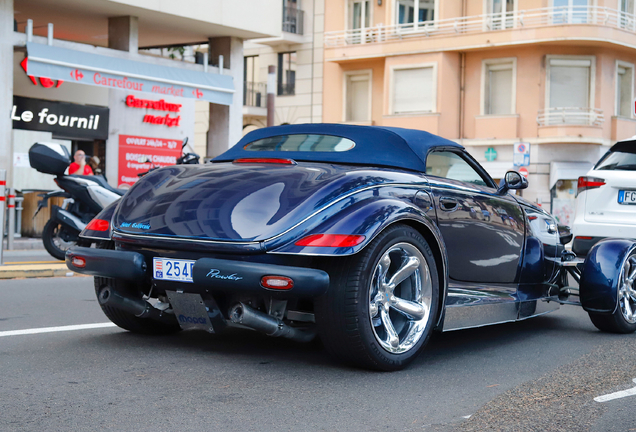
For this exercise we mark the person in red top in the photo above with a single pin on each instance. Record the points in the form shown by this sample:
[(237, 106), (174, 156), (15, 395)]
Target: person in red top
[(80, 166)]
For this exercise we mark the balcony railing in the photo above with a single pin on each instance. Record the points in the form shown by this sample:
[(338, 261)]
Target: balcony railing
[(293, 19), (531, 18), (570, 117), (255, 94)]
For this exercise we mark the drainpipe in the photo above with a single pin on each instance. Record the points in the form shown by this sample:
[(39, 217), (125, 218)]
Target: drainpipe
[(271, 90), (462, 93)]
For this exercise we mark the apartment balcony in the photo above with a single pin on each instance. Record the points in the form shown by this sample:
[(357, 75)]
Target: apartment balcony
[(254, 99), (585, 24), (293, 29), (581, 122)]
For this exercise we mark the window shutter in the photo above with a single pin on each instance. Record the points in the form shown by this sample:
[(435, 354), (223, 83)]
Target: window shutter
[(413, 90), (499, 89), (569, 84)]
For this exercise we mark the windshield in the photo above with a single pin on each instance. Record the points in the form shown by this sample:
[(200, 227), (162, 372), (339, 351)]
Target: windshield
[(617, 161), (302, 142)]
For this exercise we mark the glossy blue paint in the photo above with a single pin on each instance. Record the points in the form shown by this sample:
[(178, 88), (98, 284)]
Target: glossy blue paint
[(601, 270)]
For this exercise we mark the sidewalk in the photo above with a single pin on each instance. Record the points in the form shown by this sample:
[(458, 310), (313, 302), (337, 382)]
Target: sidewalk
[(29, 259)]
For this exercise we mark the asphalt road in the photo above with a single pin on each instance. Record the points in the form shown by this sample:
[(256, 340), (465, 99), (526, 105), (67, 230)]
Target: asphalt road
[(32, 256), (538, 375)]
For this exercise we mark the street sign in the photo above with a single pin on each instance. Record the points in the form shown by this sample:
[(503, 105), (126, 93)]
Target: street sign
[(521, 154), (490, 154), (524, 171)]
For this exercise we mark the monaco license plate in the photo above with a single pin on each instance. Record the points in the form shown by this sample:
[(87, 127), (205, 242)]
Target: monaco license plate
[(626, 197), (172, 269)]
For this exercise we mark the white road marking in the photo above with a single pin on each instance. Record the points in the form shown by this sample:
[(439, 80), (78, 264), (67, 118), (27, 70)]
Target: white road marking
[(467, 417), (617, 395), (55, 329)]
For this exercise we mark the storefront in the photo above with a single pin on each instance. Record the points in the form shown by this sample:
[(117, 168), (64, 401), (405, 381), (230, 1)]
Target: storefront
[(132, 115)]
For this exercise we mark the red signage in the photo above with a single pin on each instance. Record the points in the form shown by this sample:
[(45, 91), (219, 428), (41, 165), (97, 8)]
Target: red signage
[(140, 154), (524, 171), (159, 105), (45, 82)]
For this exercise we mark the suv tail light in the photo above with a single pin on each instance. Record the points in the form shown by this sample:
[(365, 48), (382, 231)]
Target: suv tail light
[(586, 183)]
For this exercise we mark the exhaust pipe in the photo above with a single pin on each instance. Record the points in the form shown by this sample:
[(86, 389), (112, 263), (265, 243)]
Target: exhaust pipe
[(242, 314), (138, 307)]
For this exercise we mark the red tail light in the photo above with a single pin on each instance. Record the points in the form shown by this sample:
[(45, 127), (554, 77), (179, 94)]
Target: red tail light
[(277, 282), (98, 225), (78, 262), (586, 183), (331, 240), (266, 160), (584, 237)]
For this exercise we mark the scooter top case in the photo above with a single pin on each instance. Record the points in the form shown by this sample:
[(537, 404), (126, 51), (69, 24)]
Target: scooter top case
[(49, 158)]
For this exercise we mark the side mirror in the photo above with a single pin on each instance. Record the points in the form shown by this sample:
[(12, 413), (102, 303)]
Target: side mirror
[(565, 234), (512, 180)]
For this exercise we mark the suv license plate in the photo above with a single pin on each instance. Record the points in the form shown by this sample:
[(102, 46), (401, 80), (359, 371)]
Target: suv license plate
[(172, 269), (626, 197)]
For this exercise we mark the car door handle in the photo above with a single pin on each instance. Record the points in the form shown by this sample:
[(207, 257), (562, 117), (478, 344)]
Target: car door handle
[(448, 204)]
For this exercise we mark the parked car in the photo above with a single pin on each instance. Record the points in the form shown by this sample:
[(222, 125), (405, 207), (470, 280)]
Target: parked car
[(606, 199), (370, 237)]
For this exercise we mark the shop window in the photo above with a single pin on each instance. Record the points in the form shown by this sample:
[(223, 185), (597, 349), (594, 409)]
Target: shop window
[(286, 73), (414, 89), (624, 89), (499, 87), (358, 97)]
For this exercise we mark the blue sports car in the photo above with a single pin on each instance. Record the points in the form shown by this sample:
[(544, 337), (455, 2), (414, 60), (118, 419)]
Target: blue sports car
[(369, 237)]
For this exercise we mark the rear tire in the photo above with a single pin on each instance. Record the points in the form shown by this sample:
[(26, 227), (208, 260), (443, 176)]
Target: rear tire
[(126, 320), (362, 320), (623, 320), (52, 241)]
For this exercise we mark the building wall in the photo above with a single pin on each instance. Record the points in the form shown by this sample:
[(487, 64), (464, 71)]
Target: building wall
[(305, 106)]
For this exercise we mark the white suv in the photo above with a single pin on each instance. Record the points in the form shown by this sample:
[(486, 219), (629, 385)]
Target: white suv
[(606, 199)]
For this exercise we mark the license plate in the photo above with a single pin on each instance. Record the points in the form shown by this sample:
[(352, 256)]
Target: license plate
[(172, 269), (626, 197)]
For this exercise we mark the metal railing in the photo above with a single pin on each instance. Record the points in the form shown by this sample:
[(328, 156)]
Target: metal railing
[(286, 89), (255, 94), (531, 18), (293, 20), (570, 116)]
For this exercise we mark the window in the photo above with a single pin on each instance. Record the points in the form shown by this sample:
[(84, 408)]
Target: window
[(286, 73), (569, 83), (570, 11), (624, 89), (302, 142), (415, 12), (358, 97), (502, 12), (627, 19), (414, 89), (359, 14), (254, 93), (452, 166), (498, 88)]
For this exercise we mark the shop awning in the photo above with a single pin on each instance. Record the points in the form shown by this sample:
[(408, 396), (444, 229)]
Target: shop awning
[(497, 170), (567, 171), (117, 73)]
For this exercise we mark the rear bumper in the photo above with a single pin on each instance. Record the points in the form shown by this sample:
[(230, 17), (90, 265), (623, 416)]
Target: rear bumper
[(209, 274), (581, 246)]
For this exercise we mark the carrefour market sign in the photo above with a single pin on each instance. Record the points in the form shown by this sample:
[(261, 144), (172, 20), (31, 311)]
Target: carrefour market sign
[(119, 73)]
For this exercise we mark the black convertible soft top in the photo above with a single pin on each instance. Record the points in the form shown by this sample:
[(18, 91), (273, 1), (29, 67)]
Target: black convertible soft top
[(375, 145)]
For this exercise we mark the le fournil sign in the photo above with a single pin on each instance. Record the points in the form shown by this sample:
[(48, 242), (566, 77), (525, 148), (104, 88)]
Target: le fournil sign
[(62, 119)]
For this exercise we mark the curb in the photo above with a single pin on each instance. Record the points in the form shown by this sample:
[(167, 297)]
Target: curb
[(35, 271)]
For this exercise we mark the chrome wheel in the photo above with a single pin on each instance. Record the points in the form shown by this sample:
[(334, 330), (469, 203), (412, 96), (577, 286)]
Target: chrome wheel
[(626, 290), (400, 298)]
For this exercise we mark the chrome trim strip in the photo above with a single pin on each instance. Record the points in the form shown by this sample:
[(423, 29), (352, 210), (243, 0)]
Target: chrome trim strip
[(183, 239)]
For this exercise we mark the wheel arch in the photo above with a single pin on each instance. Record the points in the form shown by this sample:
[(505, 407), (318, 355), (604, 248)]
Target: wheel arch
[(601, 271), (436, 243)]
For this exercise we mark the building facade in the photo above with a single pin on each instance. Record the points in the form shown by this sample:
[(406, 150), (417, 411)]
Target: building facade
[(497, 76), (87, 75), (296, 52)]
